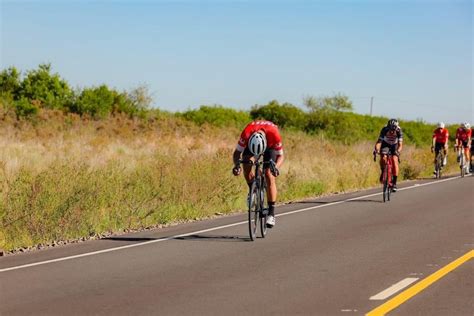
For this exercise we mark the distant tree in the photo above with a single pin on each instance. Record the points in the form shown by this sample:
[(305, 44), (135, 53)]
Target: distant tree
[(217, 115), (139, 100), (98, 102), (338, 102), (284, 115), (49, 89), (10, 82)]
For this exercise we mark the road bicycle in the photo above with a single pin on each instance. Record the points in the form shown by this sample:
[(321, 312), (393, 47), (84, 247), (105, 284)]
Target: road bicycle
[(257, 198), (439, 163), (461, 159), (387, 174)]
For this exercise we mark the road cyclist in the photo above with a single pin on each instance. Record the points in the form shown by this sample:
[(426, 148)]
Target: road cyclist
[(439, 146), (261, 138), (472, 152), (462, 146), (390, 141)]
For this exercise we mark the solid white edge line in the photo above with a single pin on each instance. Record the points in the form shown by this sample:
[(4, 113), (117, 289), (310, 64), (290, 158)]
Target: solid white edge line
[(393, 289), (205, 230)]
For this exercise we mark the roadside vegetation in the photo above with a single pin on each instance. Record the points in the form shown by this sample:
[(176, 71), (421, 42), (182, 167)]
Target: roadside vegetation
[(84, 162)]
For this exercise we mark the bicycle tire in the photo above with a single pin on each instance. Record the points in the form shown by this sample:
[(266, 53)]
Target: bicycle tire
[(439, 162), (389, 182), (386, 189), (263, 217), (461, 165), (253, 213)]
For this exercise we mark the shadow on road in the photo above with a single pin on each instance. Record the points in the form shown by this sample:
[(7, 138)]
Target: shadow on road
[(130, 238), (366, 200), (191, 237), (213, 238), (311, 202)]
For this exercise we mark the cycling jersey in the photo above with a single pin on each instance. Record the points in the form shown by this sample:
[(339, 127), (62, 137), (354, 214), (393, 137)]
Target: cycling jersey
[(391, 137), (441, 135), (463, 135), (271, 132)]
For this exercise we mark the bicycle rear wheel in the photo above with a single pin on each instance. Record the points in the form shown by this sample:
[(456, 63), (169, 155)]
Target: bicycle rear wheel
[(439, 163), (386, 184), (264, 211), (254, 214)]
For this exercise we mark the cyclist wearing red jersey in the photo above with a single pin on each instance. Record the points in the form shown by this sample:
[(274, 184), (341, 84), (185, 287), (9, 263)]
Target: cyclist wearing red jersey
[(472, 151), (463, 140), (261, 137), (440, 141), (390, 141)]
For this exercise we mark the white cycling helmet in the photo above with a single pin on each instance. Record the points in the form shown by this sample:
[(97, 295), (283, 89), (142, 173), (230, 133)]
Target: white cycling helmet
[(466, 125), (440, 125), (257, 143), (392, 123)]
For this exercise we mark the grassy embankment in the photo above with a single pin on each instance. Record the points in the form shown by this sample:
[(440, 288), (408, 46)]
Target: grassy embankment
[(62, 177)]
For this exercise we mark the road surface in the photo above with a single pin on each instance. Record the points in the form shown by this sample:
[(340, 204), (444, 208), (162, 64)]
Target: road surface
[(347, 254)]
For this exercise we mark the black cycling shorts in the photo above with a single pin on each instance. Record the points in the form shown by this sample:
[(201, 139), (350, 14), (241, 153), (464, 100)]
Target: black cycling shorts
[(438, 147), (387, 148), (464, 144), (267, 155)]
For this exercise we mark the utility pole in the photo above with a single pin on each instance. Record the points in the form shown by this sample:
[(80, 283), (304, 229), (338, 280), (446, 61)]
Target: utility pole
[(371, 105)]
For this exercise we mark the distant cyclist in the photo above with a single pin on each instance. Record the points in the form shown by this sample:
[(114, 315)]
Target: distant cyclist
[(440, 142), (463, 140), (261, 137), (472, 152), (390, 141)]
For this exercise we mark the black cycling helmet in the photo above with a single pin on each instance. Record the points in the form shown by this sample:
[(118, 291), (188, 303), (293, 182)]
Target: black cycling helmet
[(392, 123)]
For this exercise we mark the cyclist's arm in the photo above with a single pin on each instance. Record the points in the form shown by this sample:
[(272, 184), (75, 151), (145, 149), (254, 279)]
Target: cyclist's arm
[(378, 144), (400, 146), (279, 160), (236, 157)]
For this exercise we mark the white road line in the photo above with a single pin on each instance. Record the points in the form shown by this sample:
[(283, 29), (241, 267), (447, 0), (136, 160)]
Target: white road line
[(393, 289), (205, 230)]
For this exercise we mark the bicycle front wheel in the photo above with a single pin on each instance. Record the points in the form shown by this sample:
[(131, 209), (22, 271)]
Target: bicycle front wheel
[(386, 184), (254, 214), (461, 165), (439, 163), (264, 210)]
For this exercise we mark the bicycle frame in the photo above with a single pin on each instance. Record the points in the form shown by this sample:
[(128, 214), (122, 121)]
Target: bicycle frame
[(462, 159), (257, 195), (387, 175), (439, 162)]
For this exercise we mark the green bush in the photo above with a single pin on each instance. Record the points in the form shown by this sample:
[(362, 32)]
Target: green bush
[(49, 89), (10, 82), (284, 115), (101, 101), (216, 115), (24, 108)]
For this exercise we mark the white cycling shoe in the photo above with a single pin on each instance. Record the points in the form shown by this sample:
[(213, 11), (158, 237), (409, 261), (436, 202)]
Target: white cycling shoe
[(270, 221)]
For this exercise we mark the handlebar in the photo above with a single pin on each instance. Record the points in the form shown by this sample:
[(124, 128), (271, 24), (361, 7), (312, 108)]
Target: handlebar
[(388, 154), (272, 165)]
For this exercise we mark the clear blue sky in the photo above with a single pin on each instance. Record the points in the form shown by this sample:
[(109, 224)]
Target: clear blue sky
[(414, 57)]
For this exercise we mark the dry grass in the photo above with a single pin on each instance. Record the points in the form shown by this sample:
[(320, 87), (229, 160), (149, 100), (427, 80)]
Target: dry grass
[(63, 178)]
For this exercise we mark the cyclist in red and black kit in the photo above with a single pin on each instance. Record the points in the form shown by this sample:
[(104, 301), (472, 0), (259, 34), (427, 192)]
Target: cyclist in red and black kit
[(261, 137), (390, 141), (463, 140), (440, 142), (472, 152)]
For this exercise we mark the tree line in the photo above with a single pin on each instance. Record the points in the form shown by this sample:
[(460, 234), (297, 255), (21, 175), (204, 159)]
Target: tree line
[(41, 88), (26, 94)]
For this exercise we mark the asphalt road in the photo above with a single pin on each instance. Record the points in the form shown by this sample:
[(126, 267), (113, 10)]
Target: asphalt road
[(329, 258)]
